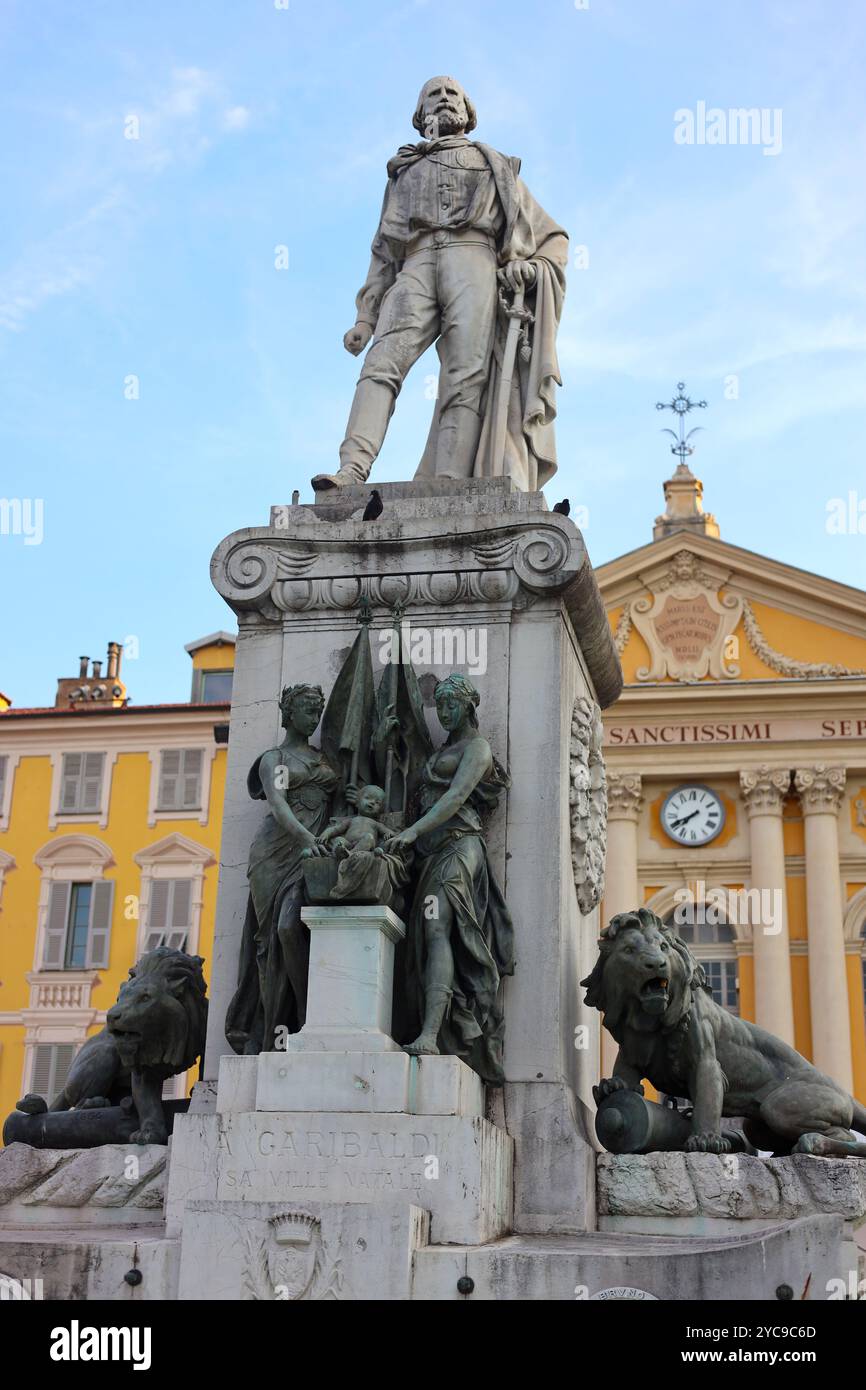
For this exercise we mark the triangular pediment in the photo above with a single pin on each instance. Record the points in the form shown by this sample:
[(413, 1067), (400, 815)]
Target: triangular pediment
[(174, 849), (690, 608)]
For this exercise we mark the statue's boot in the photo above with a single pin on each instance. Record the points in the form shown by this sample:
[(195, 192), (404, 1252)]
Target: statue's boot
[(371, 412), (457, 442)]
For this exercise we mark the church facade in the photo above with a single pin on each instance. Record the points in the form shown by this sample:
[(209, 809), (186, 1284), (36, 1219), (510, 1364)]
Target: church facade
[(736, 766)]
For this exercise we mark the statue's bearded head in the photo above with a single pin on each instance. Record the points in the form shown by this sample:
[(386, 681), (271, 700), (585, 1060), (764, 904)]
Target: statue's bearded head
[(444, 109)]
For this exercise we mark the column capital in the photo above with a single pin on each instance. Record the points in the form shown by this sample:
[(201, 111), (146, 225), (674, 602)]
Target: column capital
[(820, 788), (624, 798), (764, 788)]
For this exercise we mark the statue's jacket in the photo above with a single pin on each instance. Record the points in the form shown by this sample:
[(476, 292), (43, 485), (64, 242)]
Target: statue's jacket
[(488, 195)]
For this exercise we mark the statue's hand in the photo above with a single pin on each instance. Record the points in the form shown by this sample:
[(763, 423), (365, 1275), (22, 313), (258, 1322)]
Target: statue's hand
[(317, 850), (357, 338), (307, 840), (518, 275), (405, 840), (389, 724)]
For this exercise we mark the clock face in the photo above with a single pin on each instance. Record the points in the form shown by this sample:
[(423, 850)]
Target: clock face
[(693, 815)]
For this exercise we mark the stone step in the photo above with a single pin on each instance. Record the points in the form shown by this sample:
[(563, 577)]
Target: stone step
[(801, 1255)]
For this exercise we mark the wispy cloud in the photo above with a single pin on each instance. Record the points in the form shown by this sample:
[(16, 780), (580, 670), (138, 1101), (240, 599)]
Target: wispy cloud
[(179, 124)]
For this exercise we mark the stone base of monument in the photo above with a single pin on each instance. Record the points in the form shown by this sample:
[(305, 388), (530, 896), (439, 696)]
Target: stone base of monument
[(341, 1139), (599, 1266)]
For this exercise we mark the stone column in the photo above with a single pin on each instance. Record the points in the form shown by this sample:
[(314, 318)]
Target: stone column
[(763, 790), (820, 790), (621, 890)]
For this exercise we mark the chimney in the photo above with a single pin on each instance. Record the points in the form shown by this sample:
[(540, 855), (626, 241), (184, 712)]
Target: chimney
[(79, 693)]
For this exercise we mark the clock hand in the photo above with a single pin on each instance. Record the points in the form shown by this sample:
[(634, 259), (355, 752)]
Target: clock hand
[(683, 820)]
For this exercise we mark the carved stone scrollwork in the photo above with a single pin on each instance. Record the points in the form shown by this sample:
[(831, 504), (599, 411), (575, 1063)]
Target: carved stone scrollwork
[(820, 788), (764, 788), (440, 590), (588, 804), (787, 665), (314, 566), (624, 795), (623, 630), (686, 623), (541, 558), (247, 575), (272, 571)]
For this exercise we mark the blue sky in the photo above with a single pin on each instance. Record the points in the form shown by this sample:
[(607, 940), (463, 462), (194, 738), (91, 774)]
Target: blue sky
[(261, 126)]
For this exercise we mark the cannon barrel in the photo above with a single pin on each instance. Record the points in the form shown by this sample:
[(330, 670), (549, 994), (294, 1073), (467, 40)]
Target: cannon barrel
[(628, 1123), (72, 1129)]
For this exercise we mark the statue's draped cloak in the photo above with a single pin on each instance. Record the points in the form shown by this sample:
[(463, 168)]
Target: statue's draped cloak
[(528, 234), (454, 864), (266, 996)]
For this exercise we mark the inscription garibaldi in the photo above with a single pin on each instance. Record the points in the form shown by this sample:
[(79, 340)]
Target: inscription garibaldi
[(459, 232)]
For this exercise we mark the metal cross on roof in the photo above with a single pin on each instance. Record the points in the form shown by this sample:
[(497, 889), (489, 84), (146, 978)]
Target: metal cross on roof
[(681, 405)]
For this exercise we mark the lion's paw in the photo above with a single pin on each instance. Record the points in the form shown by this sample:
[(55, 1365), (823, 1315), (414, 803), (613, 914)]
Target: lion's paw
[(149, 1134), (606, 1087), (708, 1143), (810, 1144)]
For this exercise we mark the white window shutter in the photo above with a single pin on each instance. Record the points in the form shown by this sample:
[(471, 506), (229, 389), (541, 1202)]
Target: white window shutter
[(56, 923), (99, 932), (192, 761), (51, 1068), (91, 782), (70, 781), (40, 1080), (157, 913), (3, 761), (169, 772), (181, 903), (177, 940)]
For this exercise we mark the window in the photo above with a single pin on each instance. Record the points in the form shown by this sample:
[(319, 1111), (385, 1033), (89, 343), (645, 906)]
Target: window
[(51, 1063), (180, 779), (169, 914), (81, 783), (216, 687), (3, 764), (78, 926), (712, 942)]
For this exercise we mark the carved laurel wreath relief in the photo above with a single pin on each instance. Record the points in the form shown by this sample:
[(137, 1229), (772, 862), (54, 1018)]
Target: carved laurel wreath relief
[(587, 797), (291, 1263)]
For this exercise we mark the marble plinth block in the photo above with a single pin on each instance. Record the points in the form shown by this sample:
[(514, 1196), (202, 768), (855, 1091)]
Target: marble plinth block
[(351, 979)]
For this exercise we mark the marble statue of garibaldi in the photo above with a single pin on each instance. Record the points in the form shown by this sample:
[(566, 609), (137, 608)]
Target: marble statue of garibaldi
[(459, 232)]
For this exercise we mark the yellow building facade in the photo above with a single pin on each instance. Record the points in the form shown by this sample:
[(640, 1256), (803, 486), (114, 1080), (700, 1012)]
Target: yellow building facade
[(736, 764), (110, 817)]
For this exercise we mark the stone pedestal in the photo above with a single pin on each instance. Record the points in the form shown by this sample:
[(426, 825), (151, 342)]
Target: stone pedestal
[(351, 980), (496, 586)]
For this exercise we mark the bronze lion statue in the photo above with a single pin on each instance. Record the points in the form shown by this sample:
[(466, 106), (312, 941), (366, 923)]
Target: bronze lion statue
[(659, 1008), (154, 1031)]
